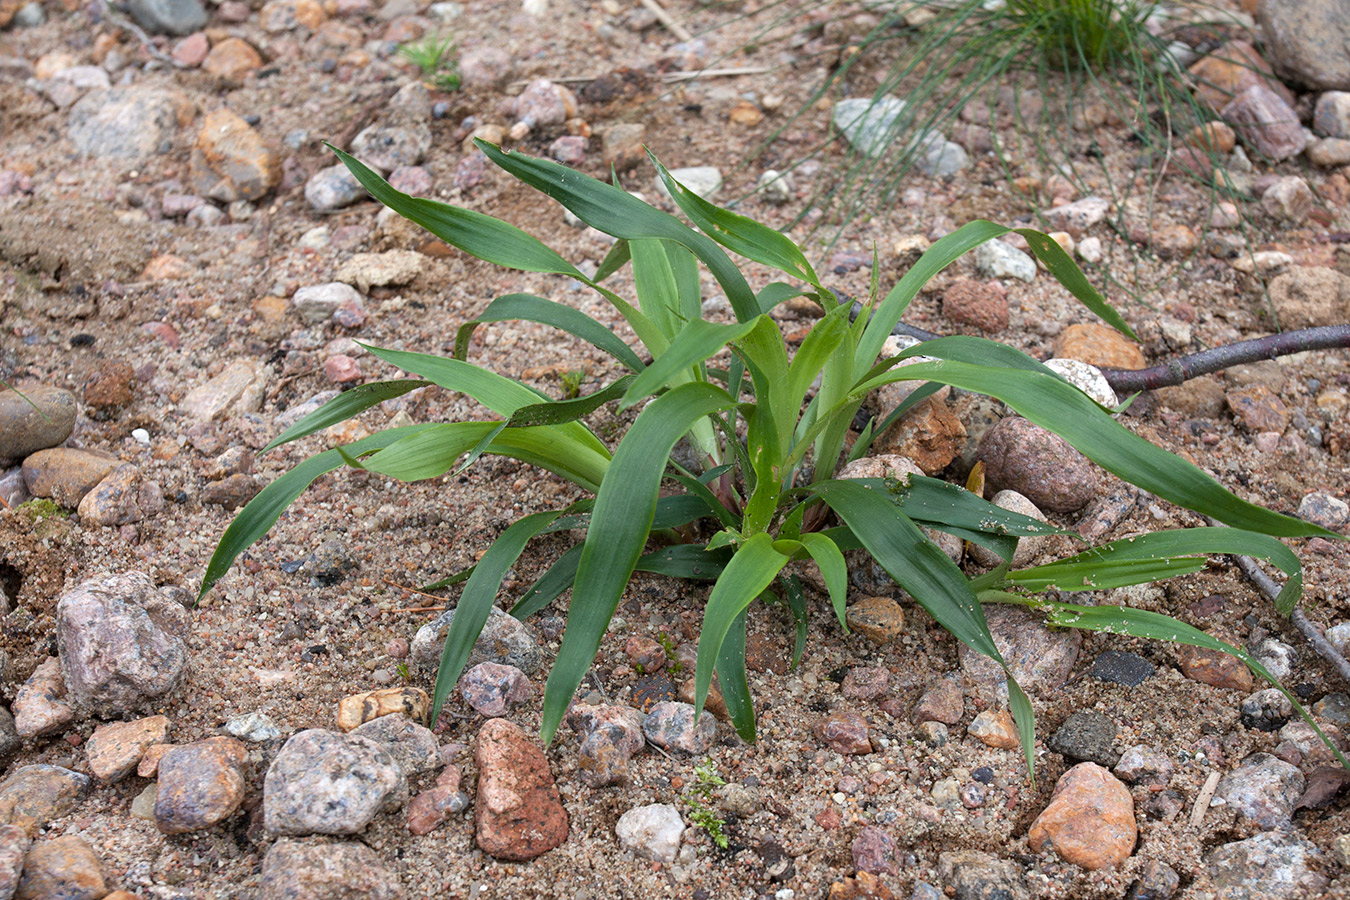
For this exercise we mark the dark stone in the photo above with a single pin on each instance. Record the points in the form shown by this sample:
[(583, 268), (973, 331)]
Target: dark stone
[(1086, 736), (1121, 667)]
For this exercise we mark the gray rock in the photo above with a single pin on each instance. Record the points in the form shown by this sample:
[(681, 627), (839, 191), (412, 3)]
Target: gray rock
[(40, 706), (122, 643), (652, 832), (168, 16), (1329, 153), (412, 746), (1266, 710), (1306, 41), (333, 188), (1038, 464), (491, 688), (1143, 765), (1269, 866), (1078, 216), (976, 875), (254, 727), (122, 498), (9, 734), (303, 870), (705, 181), (1086, 736), (239, 388), (329, 563), (14, 843), (946, 158), (387, 147), (739, 799), (1333, 708), (869, 124), (1289, 199), (504, 639), (1040, 658), (1339, 636), (315, 304), (1121, 667), (1157, 881), (670, 726), (776, 187), (1331, 116), (1323, 509), (324, 782), (32, 796), (127, 123), (30, 15), (1277, 656), (997, 259), (13, 491), (1265, 122), (33, 419), (1263, 789), (1087, 378)]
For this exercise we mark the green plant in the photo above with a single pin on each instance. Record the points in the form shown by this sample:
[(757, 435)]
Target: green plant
[(672, 658), (571, 383), (403, 671), (769, 440), (702, 810), (435, 57)]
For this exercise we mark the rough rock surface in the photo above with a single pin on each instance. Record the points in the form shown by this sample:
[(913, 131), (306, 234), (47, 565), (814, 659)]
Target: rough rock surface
[(1090, 819), (324, 782), (200, 784), (518, 814), (302, 870)]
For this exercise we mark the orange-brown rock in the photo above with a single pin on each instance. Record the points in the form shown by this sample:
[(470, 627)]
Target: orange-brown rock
[(232, 161), (518, 814), (60, 868), (1090, 819), (200, 784), (115, 749), (995, 728), (1256, 408), (361, 708), (1229, 71), (1099, 345), (930, 434), (232, 59), (864, 886), (1214, 667), (879, 619), (148, 767), (65, 475)]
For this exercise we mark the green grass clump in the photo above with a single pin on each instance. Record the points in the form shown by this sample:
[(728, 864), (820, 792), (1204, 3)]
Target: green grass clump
[(702, 802), (436, 58), (768, 428), (42, 508)]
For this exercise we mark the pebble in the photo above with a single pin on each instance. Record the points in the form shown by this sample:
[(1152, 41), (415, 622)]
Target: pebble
[(844, 732), (122, 642), (367, 706), (670, 725), (387, 147), (1078, 216), (1028, 548), (254, 727), (705, 181), (1306, 296), (739, 799), (34, 795), (1037, 464), (518, 814), (976, 875), (1099, 345), (63, 868), (1263, 789), (1329, 153), (14, 843), (504, 639), (1231, 69), (231, 161), (651, 832), (485, 67), (942, 701), (1157, 881), (1288, 198), (239, 388), (934, 734), (393, 267), (325, 782), (1334, 708), (429, 809), (998, 259), (610, 737), (65, 475), (232, 60), (177, 17), (412, 746), (131, 123), (1269, 866), (622, 145), (1321, 508), (111, 387), (492, 688), (1265, 122), (1306, 40), (866, 682), (879, 619), (333, 188), (1090, 819), (929, 434), (1214, 667), (12, 489), (942, 158), (869, 124), (1121, 667), (1173, 241), (1145, 766), (303, 870), (34, 418), (288, 15), (114, 749), (123, 498), (232, 491), (40, 706), (995, 728), (1086, 736), (776, 187), (1331, 115), (874, 851), (1266, 710), (1257, 409), (1040, 658), (543, 103), (976, 303), (200, 785), (30, 15), (342, 369), (318, 303), (864, 886)]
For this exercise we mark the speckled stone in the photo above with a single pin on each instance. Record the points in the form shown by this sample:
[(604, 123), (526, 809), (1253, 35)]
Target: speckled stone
[(412, 746), (40, 706), (123, 498), (1039, 657), (492, 688), (1263, 789), (1121, 667), (1038, 464), (63, 868), (651, 832), (200, 785), (995, 728), (32, 796), (879, 619), (844, 732), (114, 750), (304, 870), (874, 851), (1269, 866), (1086, 735), (504, 640), (325, 782), (610, 737), (670, 726), (430, 808), (518, 814), (942, 701), (14, 843)]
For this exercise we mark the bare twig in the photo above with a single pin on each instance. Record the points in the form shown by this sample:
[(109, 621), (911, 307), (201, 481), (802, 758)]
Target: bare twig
[(667, 20), (147, 43), (1202, 801), (666, 77)]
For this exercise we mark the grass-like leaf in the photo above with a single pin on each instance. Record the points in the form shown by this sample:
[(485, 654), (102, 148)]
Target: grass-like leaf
[(731, 675), (529, 308), (343, 407)]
